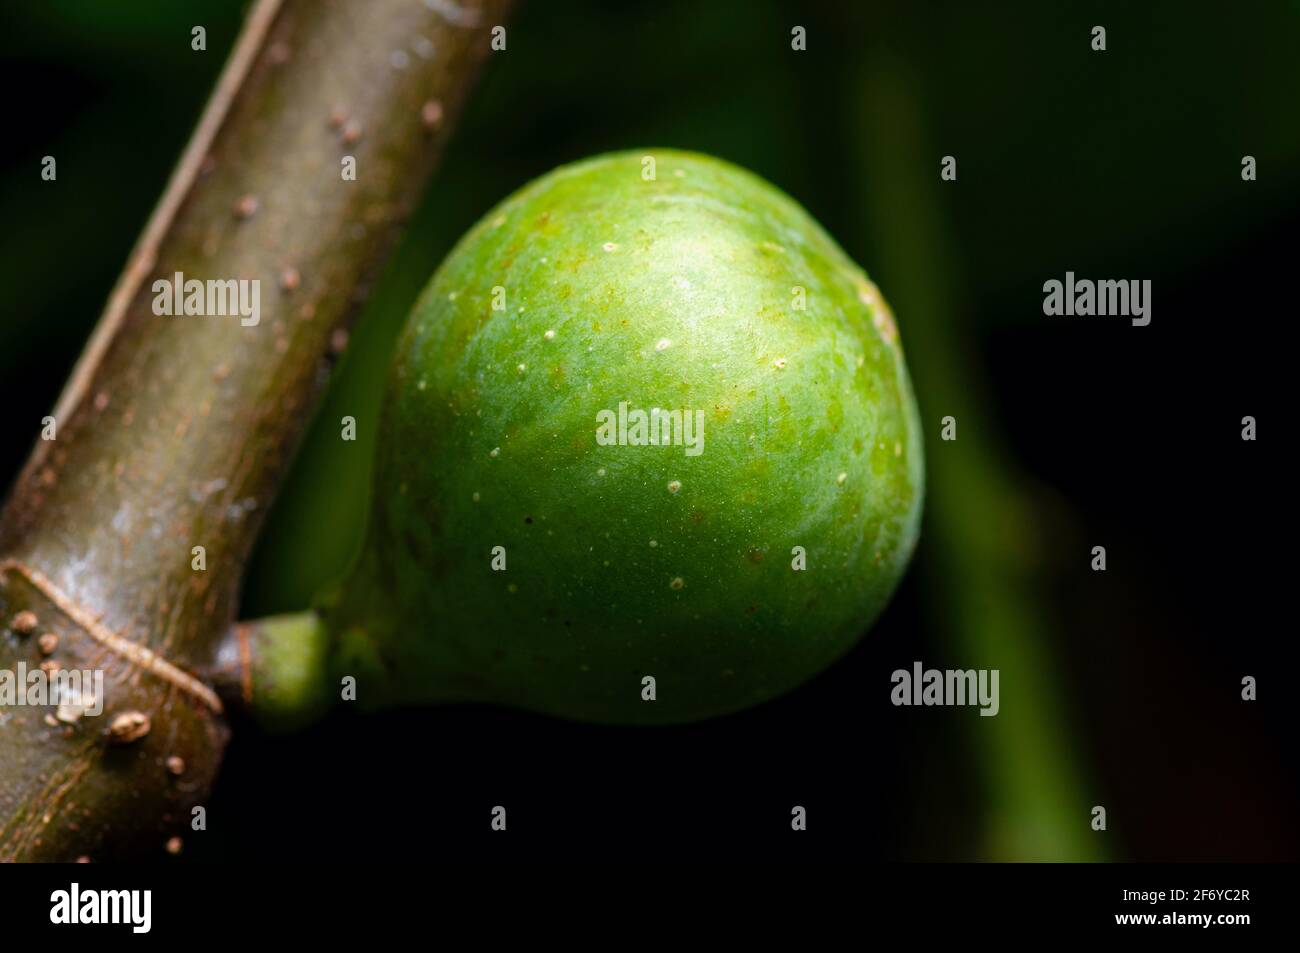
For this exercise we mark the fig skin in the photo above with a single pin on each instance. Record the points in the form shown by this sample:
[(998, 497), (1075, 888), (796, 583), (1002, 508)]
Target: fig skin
[(622, 561)]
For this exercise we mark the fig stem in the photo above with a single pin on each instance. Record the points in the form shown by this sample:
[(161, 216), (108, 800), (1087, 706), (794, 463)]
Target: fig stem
[(276, 669), (139, 511), (979, 525)]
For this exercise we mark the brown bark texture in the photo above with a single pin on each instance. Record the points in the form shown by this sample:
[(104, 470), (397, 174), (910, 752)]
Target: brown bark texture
[(174, 432)]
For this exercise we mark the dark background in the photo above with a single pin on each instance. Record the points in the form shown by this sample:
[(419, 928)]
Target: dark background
[(1119, 689)]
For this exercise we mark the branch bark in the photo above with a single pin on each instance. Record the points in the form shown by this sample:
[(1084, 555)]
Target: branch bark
[(174, 432)]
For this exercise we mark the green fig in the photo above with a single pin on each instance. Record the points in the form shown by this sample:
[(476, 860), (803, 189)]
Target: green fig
[(649, 454)]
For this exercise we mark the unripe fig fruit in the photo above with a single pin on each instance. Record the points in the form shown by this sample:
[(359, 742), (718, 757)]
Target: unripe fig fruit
[(528, 547)]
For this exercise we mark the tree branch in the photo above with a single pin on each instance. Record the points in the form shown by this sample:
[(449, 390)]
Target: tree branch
[(175, 431)]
